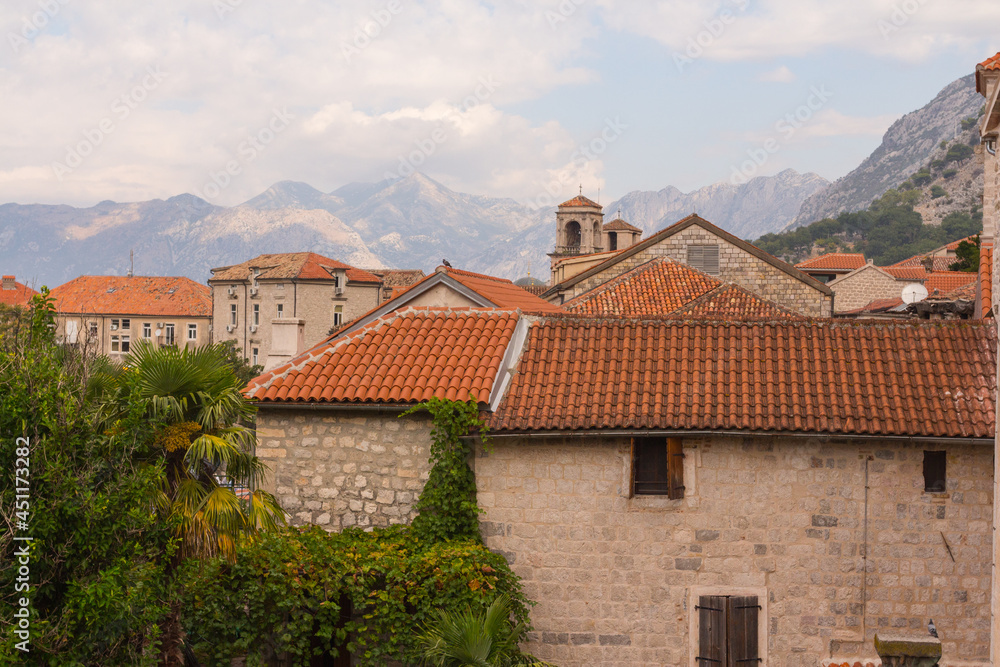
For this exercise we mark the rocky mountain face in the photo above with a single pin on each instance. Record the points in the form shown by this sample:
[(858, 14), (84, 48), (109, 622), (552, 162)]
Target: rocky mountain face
[(907, 145), (408, 223), (750, 210)]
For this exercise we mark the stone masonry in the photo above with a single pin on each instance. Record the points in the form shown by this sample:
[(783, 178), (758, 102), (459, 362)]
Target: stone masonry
[(859, 288), (735, 265), (344, 468), (616, 578)]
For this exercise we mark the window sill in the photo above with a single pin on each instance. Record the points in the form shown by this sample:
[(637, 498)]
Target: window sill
[(650, 502)]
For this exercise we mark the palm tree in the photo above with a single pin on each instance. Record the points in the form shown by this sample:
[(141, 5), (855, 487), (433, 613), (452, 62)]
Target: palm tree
[(196, 400), (468, 639)]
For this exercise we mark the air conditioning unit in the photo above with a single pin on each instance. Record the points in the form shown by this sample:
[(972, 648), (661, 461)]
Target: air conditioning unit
[(230, 328), (159, 325), (114, 327), (338, 290), (253, 291), (232, 291), (253, 329)]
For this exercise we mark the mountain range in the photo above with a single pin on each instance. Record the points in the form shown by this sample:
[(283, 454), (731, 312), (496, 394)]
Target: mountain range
[(415, 222)]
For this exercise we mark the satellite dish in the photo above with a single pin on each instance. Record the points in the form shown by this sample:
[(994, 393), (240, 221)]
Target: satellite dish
[(158, 333), (914, 292)]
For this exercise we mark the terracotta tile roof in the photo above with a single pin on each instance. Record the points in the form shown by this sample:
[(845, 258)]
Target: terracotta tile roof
[(134, 295), (733, 302), (535, 289), (991, 63), (504, 293), (619, 225), (406, 357), (909, 273), (898, 379), (986, 278), (657, 287), (398, 277), (302, 265), (965, 293), (580, 200), (940, 263), (876, 306), (20, 295), (844, 261), (953, 246), (948, 281)]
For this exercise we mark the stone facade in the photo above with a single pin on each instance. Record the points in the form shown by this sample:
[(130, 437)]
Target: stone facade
[(107, 334), (735, 265), (344, 468), (616, 578), (315, 302), (859, 288)]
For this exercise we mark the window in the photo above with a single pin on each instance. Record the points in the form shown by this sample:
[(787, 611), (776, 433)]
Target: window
[(168, 334), (612, 241), (338, 315), (192, 332), (255, 356), (147, 330), (727, 630), (704, 258), (281, 310), (256, 314), (126, 323), (114, 325), (935, 469), (279, 286), (573, 235), (92, 327), (232, 314), (658, 467), (115, 345), (125, 343), (336, 282)]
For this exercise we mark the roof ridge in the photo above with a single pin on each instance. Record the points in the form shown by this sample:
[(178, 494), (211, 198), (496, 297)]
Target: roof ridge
[(472, 274)]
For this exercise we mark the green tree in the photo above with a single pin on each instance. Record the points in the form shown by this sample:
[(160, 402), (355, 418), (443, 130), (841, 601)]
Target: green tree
[(241, 368), (967, 255)]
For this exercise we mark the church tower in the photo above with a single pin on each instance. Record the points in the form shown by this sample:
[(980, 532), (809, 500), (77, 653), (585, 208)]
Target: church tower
[(579, 228)]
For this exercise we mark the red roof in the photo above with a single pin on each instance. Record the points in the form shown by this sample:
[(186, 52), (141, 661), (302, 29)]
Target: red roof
[(18, 295), (948, 281), (939, 263), (876, 306), (986, 278), (835, 261), (732, 302), (504, 293), (407, 356), (134, 295), (580, 200), (991, 63), (911, 273), (657, 287), (899, 379), (953, 246), (619, 225), (302, 265)]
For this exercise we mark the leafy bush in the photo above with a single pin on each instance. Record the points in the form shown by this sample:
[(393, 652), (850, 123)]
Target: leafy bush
[(958, 152), (284, 595), (938, 191), (949, 173), (921, 178)]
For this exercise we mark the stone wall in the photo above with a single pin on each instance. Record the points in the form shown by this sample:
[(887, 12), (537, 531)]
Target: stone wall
[(735, 265), (859, 288), (341, 468), (616, 578)]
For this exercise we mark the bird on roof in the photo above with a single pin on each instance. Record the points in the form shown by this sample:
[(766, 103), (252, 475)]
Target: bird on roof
[(446, 263), (931, 628)]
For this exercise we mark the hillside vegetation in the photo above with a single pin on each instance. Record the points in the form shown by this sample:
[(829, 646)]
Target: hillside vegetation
[(937, 204)]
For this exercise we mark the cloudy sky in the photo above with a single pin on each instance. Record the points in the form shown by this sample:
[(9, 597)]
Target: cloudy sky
[(129, 101)]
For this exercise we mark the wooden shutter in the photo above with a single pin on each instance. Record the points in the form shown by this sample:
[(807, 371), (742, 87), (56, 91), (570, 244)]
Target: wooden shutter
[(727, 631), (675, 468), (704, 258), (711, 631), (742, 626)]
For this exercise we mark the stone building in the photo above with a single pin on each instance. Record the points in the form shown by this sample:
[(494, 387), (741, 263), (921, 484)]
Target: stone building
[(820, 480), (703, 246), (827, 268), (275, 306), (864, 288), (110, 313), (583, 239)]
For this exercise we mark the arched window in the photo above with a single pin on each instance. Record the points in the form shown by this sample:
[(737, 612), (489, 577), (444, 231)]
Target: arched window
[(612, 241), (573, 234), (597, 235)]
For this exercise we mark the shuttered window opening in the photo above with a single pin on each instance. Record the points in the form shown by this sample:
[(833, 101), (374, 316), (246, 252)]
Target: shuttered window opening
[(704, 258), (727, 631), (658, 467)]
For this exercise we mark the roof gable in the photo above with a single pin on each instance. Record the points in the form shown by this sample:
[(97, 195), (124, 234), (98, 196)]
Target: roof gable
[(843, 261), (580, 200), (289, 265), (677, 227), (735, 303)]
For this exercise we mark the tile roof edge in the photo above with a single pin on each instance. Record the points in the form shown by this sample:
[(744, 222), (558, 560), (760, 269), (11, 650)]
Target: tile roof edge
[(499, 431), (697, 301), (511, 359), (597, 290)]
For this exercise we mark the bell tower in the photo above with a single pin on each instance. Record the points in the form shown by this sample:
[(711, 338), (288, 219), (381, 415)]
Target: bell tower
[(579, 227)]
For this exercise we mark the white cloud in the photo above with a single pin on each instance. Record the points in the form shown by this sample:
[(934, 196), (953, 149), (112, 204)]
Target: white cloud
[(779, 75)]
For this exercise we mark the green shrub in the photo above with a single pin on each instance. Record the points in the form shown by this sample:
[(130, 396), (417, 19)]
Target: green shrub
[(938, 191), (921, 178), (949, 173), (958, 152)]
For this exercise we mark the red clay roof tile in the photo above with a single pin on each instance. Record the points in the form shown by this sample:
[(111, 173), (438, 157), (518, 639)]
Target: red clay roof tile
[(407, 356), (939, 263), (657, 287), (20, 295), (732, 302), (134, 295), (948, 281), (910, 273), (619, 225), (303, 265), (986, 278), (580, 200), (991, 63), (844, 261), (899, 379)]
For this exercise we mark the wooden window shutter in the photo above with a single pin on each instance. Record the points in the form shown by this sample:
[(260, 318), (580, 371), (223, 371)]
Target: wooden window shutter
[(675, 467), (727, 631), (741, 623), (704, 258), (711, 631)]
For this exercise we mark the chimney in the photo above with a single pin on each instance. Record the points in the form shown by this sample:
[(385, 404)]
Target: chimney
[(288, 340), (8, 283)]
